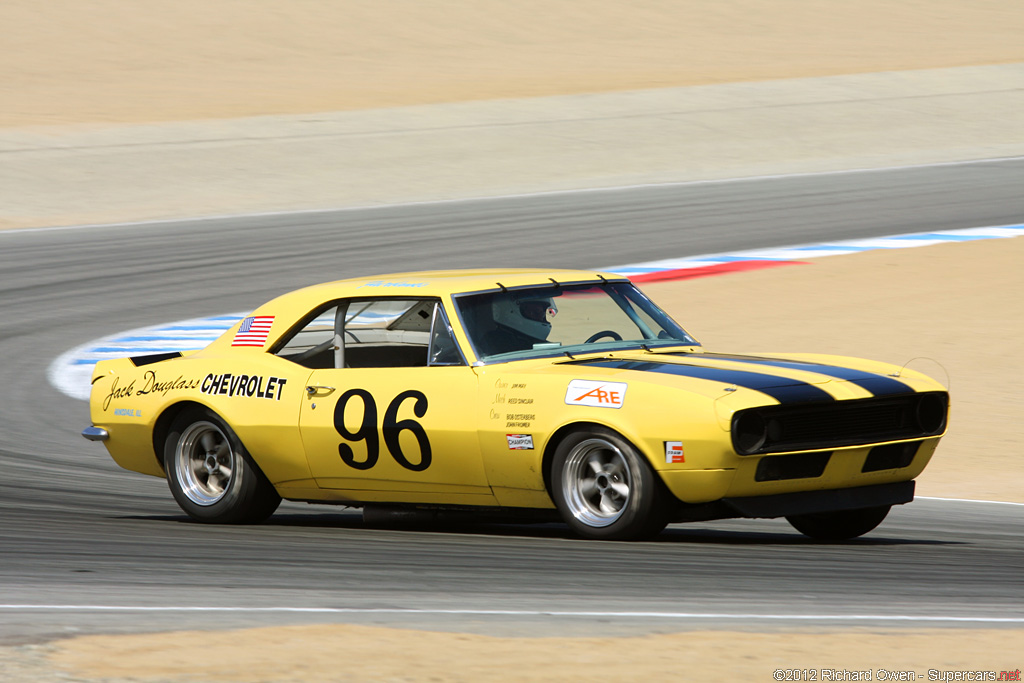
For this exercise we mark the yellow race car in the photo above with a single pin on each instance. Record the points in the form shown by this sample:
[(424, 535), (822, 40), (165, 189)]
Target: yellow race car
[(497, 392)]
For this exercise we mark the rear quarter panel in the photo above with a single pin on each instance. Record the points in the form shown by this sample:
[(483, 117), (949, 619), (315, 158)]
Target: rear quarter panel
[(255, 394)]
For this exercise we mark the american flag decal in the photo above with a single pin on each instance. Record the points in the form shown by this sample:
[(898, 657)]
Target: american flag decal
[(254, 331)]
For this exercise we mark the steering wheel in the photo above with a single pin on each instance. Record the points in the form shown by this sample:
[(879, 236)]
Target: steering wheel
[(603, 333)]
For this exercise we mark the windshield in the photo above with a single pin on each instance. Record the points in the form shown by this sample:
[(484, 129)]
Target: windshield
[(531, 322)]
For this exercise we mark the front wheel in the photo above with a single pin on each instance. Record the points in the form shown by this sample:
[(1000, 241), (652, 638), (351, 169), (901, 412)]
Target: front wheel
[(840, 525), (605, 489), (210, 474)]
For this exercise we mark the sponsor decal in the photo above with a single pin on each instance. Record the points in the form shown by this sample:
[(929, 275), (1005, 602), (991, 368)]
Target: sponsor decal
[(520, 420), (150, 385), (253, 331), (520, 442), (127, 412), (674, 452), (584, 392), (501, 393), (251, 386), (118, 392)]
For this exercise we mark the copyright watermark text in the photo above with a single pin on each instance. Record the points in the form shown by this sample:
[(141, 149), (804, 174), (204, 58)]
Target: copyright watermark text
[(894, 675)]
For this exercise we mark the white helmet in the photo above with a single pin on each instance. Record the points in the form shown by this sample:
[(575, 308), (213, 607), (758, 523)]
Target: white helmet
[(530, 314)]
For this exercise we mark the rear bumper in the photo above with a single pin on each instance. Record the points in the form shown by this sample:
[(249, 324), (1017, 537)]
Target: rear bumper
[(95, 434)]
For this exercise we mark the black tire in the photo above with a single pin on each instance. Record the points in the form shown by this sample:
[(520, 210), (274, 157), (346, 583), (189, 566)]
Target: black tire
[(840, 525), (211, 475), (605, 489)]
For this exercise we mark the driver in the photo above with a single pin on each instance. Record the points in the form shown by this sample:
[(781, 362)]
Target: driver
[(520, 322)]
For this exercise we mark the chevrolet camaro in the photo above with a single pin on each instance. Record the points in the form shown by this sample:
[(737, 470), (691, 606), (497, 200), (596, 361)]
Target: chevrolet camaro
[(514, 393)]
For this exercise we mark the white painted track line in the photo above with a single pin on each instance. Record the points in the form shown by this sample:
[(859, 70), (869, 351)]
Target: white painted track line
[(925, 618)]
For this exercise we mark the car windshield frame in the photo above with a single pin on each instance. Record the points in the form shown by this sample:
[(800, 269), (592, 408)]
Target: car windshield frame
[(656, 329)]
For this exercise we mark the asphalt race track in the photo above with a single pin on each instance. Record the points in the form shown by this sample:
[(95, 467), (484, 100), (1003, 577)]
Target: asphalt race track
[(77, 533)]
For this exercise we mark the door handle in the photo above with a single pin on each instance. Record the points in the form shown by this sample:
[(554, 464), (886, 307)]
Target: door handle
[(314, 389)]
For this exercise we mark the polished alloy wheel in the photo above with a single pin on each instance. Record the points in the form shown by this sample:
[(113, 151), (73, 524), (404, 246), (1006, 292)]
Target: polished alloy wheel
[(596, 482), (205, 463)]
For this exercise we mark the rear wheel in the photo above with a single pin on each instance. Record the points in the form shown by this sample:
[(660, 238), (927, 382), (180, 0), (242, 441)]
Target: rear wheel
[(605, 489), (840, 525), (210, 474)]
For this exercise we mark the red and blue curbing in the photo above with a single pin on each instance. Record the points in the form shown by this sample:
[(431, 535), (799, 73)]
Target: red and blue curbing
[(71, 372)]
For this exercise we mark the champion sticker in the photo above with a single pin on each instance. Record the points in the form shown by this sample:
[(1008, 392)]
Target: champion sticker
[(585, 392), (674, 452), (520, 442)]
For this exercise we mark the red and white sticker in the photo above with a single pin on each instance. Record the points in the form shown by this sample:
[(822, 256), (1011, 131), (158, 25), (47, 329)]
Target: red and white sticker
[(674, 452), (520, 442), (585, 392)]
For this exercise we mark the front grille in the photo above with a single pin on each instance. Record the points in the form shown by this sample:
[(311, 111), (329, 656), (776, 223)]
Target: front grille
[(891, 456), (794, 466), (775, 429), (818, 426)]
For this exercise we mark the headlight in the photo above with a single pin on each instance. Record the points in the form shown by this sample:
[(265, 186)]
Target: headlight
[(931, 413), (749, 432)]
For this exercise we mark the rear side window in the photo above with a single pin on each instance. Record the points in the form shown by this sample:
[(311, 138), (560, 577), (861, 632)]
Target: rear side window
[(375, 333)]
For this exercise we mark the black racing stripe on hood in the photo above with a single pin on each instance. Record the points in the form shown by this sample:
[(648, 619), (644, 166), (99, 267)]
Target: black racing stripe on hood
[(879, 385), (782, 389)]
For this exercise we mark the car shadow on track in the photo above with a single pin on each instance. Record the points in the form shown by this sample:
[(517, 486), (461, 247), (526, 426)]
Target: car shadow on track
[(701, 533), (729, 537)]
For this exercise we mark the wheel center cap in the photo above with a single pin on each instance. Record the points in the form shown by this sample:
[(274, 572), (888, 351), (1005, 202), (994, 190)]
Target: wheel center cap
[(211, 464)]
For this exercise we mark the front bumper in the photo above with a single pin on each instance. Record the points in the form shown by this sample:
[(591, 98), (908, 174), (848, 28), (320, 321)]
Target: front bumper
[(798, 503), (829, 500)]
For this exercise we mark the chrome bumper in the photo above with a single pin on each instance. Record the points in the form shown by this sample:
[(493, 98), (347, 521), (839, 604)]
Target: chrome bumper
[(96, 434)]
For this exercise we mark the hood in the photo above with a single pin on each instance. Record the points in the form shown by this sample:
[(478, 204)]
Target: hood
[(785, 380)]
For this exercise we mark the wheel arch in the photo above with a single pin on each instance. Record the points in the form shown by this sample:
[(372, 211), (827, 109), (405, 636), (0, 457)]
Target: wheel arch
[(242, 493), (565, 430), (162, 426)]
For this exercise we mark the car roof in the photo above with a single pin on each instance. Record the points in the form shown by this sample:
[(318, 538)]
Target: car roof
[(439, 283), (289, 308)]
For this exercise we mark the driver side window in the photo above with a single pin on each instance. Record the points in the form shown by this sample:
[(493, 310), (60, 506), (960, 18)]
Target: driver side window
[(375, 333)]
